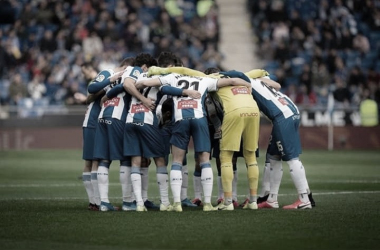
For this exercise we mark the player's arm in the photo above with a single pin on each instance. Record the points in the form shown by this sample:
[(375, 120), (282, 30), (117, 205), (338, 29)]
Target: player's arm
[(169, 90), (92, 97), (235, 74), (271, 83), (103, 79), (179, 70), (257, 73), (129, 86), (111, 92), (224, 82), (152, 82)]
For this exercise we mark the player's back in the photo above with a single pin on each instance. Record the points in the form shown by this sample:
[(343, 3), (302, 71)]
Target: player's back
[(186, 107), (138, 113), (235, 97), (272, 102)]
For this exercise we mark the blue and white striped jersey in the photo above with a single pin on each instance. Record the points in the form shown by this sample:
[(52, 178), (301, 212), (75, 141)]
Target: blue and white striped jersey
[(186, 107), (117, 107), (272, 102), (140, 114), (93, 109)]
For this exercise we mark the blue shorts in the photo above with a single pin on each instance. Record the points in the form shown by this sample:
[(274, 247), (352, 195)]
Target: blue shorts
[(88, 143), (196, 128), (285, 139), (145, 140), (109, 139)]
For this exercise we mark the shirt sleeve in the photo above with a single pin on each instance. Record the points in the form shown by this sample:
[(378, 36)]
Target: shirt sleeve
[(212, 84), (167, 80), (100, 82)]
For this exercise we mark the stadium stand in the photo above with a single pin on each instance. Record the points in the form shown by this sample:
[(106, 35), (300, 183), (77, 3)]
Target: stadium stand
[(338, 39), (51, 39)]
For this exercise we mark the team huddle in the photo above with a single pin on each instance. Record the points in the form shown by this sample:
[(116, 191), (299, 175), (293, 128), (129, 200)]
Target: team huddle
[(146, 109)]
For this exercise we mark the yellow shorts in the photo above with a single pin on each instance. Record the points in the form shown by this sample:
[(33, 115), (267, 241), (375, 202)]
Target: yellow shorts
[(240, 124)]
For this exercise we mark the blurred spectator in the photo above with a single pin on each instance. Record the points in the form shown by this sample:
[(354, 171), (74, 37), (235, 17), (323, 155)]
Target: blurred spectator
[(51, 38), (36, 88), (356, 78), (341, 93), (331, 36), (17, 89), (361, 43), (92, 45), (48, 43)]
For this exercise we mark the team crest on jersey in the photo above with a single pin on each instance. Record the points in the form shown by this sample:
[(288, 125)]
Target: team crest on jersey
[(187, 104), (239, 90), (136, 73), (100, 78)]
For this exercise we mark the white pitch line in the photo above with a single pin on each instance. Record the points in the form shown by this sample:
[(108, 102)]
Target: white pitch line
[(156, 198)]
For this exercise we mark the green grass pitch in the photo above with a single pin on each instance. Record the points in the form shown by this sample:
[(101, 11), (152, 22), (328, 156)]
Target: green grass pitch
[(44, 206)]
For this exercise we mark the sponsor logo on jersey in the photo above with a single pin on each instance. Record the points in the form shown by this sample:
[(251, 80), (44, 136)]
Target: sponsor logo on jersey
[(139, 108), (101, 120), (283, 101), (249, 114), (100, 78), (187, 104), (239, 91), (113, 102)]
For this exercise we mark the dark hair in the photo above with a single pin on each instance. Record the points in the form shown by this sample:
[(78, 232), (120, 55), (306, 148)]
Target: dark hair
[(144, 58), (211, 71), (167, 58), (178, 62), (129, 61), (89, 65)]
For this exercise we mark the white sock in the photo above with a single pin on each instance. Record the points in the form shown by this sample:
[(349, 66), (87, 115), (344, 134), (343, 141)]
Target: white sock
[(163, 184), (185, 182), (144, 183), (220, 188), (86, 177), (197, 187), (95, 187), (103, 182), (265, 185), (176, 181), (136, 183), (207, 179), (275, 179), (298, 174), (126, 183), (234, 186)]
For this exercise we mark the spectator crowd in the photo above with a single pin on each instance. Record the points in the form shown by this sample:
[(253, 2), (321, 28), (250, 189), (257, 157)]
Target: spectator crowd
[(43, 43), (312, 48), (317, 47)]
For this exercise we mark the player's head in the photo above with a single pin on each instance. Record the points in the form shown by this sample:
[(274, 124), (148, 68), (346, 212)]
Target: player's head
[(129, 61), (88, 70), (209, 71), (144, 61), (178, 62), (167, 59)]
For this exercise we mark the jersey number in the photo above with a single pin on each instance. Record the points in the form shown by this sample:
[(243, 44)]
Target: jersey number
[(183, 84)]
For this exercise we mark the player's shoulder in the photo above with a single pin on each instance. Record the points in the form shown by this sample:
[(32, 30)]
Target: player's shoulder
[(132, 71), (104, 74)]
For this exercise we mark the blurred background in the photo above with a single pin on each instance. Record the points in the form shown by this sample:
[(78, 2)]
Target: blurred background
[(324, 53)]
